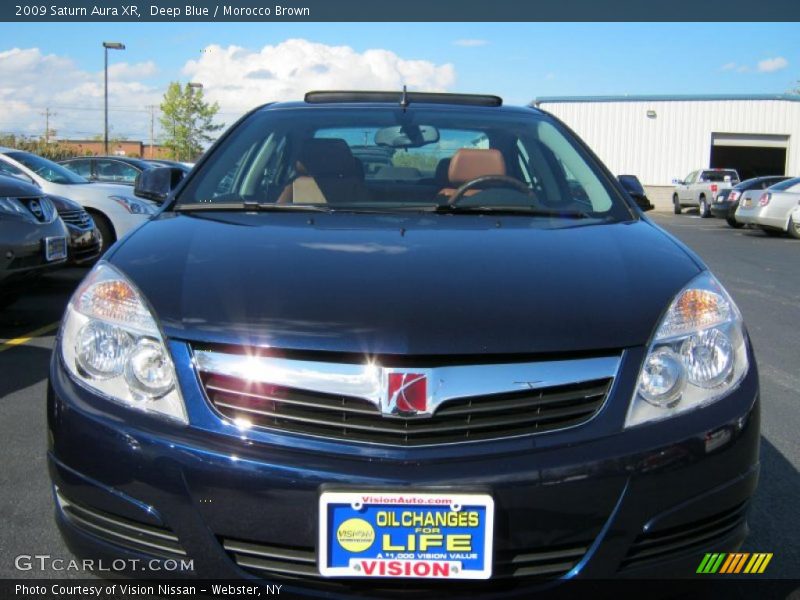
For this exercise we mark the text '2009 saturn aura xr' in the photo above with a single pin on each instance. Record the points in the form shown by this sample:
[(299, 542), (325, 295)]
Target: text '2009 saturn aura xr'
[(475, 360)]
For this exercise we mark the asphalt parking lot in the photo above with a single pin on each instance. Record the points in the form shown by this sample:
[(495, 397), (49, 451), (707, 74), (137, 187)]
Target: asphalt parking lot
[(761, 273)]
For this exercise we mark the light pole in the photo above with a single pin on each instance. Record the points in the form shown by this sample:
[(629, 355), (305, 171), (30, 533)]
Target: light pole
[(106, 47)]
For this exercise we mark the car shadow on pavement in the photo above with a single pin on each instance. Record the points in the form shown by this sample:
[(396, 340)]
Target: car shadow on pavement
[(774, 526), (22, 367)]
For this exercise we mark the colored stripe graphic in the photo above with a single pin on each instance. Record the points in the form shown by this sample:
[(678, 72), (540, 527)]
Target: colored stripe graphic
[(758, 563), (734, 562), (741, 562), (765, 563), (711, 563), (703, 563), (728, 562)]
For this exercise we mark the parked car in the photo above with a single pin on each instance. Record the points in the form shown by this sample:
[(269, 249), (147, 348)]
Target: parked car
[(699, 189), (795, 222), (727, 201), (298, 374), (113, 207), (162, 162), (773, 211), (636, 191), (107, 169), (33, 239), (84, 240)]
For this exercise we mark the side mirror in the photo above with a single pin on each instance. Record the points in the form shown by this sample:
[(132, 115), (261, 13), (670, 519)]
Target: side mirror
[(642, 202), (635, 190), (677, 181), (157, 183)]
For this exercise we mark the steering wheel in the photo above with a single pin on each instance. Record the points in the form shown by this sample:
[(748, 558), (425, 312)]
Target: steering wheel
[(491, 181)]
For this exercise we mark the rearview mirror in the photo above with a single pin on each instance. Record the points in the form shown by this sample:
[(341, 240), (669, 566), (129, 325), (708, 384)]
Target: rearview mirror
[(406, 136), (157, 183)]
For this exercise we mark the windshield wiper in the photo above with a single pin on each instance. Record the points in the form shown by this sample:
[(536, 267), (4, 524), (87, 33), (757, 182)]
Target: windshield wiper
[(511, 210), (249, 206)]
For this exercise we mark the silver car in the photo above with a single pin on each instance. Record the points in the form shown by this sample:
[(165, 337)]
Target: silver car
[(113, 207), (774, 210)]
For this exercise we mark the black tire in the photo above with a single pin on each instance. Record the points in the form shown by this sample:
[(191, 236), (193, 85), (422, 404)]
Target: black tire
[(794, 229), (676, 204), (734, 223), (703, 208), (771, 232), (105, 229)]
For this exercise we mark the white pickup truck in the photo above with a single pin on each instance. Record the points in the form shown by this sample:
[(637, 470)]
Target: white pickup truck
[(701, 187)]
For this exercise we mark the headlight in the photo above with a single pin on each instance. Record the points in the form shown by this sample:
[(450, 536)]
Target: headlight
[(697, 356), (134, 206), (111, 343)]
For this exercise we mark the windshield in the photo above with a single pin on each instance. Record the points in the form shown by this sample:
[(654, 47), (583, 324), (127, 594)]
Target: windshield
[(47, 169), (390, 160)]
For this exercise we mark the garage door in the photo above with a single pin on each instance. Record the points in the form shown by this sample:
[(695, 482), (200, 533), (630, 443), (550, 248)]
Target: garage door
[(750, 154)]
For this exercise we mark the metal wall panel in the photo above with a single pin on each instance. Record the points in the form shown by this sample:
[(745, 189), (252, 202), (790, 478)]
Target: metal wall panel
[(678, 139)]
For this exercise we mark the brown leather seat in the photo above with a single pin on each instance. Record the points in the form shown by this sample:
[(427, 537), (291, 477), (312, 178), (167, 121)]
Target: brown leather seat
[(470, 163), (327, 172)]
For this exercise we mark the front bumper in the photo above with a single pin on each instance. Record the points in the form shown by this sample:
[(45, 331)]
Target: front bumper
[(84, 245), (22, 253), (649, 500)]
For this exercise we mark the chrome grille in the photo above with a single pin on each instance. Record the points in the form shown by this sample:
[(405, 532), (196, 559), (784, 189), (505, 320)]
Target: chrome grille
[(79, 218), (293, 562), (157, 541), (471, 403)]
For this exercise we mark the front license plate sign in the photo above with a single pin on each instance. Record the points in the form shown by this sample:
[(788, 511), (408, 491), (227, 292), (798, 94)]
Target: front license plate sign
[(55, 248), (393, 534)]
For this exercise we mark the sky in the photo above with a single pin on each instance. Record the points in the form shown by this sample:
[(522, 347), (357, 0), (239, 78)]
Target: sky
[(60, 66)]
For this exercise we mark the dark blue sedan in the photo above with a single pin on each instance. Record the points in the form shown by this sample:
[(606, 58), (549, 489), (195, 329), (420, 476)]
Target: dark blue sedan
[(495, 370)]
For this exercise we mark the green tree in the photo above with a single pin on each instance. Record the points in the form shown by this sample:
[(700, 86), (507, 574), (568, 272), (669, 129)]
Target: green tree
[(187, 121)]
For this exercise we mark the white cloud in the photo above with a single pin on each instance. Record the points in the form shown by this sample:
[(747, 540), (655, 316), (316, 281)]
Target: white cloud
[(470, 43), (33, 82), (768, 65), (239, 78), (127, 71)]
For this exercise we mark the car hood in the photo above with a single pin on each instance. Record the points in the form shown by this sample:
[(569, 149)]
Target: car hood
[(63, 204), (416, 285), (11, 186), (87, 190)]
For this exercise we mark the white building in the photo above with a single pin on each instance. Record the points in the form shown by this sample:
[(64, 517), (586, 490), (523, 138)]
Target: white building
[(660, 138)]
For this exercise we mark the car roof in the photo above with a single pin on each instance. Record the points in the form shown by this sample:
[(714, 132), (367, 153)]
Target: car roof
[(400, 99), (128, 159), (387, 105)]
